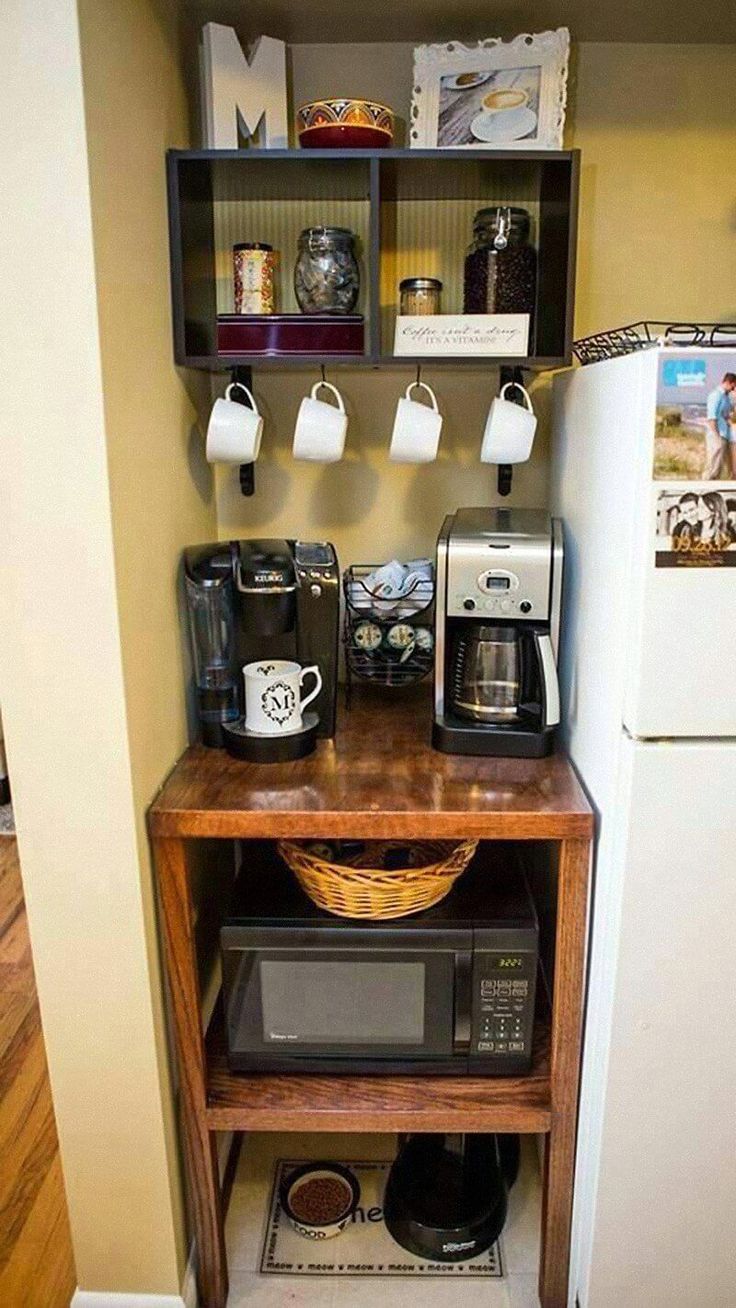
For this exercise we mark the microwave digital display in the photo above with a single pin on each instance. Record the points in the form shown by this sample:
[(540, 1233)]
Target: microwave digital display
[(355, 1003), (507, 963)]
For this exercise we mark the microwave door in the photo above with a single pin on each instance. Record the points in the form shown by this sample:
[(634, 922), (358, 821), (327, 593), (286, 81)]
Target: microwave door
[(359, 1004)]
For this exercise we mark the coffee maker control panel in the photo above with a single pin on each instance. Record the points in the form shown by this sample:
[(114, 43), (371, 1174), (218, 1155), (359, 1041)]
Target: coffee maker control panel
[(474, 590), (313, 558)]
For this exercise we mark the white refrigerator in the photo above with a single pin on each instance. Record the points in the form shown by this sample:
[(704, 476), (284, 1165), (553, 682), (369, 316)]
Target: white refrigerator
[(648, 670)]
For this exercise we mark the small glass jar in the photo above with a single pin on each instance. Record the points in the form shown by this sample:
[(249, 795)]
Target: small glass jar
[(254, 265), (501, 264), (326, 276), (420, 296)]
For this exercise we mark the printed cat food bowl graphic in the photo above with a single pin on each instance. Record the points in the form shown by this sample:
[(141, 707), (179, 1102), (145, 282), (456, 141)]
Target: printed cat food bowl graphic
[(320, 1199)]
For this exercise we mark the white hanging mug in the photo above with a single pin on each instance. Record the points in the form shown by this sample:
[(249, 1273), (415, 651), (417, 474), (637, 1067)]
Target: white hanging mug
[(417, 428), (234, 431), (510, 428), (320, 427), (273, 703)]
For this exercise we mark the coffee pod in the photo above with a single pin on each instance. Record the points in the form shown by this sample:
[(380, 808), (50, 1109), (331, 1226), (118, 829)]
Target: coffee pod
[(510, 428), (321, 428), (234, 431), (417, 428)]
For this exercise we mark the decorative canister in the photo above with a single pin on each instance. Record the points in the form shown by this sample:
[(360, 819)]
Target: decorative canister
[(326, 276), (254, 265), (501, 264), (420, 295)]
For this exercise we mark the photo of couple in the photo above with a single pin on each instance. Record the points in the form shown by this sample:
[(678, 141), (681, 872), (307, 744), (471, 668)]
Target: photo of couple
[(696, 529), (695, 437)]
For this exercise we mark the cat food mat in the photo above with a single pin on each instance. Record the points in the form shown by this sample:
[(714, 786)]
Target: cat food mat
[(364, 1248)]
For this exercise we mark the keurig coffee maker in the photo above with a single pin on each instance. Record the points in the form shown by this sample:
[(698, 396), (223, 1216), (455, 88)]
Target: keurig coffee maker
[(499, 589), (252, 599)]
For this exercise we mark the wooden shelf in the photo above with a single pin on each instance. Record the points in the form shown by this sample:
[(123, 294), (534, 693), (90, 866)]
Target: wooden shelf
[(379, 777), (242, 1102), (397, 201)]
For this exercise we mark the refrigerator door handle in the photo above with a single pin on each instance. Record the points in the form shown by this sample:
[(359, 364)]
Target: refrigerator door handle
[(550, 683)]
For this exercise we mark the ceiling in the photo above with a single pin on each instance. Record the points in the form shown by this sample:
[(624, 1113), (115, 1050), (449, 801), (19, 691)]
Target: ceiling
[(331, 21)]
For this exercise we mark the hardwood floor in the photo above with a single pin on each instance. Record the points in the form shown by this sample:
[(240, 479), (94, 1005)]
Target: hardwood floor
[(36, 1261)]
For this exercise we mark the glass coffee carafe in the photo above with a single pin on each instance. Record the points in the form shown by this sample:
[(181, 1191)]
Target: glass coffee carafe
[(485, 680)]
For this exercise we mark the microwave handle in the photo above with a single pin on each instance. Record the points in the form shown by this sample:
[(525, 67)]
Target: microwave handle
[(463, 1001)]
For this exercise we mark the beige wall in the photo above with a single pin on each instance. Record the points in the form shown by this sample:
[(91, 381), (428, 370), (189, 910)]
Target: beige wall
[(63, 692), (658, 203), (161, 489), (95, 415), (656, 238)]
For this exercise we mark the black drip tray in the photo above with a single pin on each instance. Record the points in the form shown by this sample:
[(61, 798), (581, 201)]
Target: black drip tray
[(255, 748)]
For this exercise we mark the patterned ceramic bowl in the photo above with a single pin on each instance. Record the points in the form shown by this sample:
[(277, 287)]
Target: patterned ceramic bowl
[(351, 124)]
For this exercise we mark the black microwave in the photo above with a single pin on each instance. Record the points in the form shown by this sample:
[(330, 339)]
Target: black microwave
[(450, 990)]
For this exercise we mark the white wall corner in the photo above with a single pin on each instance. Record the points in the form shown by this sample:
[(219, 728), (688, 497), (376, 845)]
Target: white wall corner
[(189, 1286), (104, 1299)]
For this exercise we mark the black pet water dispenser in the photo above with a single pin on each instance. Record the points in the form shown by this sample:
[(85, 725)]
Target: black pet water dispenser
[(447, 1195)]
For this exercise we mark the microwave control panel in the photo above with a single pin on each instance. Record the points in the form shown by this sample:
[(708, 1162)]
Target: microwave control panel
[(504, 991)]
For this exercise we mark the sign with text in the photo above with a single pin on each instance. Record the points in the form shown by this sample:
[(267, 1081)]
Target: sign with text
[(445, 335)]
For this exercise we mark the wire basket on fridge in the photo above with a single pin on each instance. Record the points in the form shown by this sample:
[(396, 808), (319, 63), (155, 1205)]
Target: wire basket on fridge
[(647, 335), (388, 641)]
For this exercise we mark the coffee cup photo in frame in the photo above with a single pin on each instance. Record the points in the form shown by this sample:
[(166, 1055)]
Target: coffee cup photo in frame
[(496, 95)]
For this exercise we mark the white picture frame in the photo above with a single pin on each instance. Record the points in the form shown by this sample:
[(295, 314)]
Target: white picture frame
[(495, 95)]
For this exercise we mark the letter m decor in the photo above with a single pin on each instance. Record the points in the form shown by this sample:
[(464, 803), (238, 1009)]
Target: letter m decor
[(241, 96)]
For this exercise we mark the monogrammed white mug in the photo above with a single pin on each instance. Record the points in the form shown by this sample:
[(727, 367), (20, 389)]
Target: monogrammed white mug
[(273, 703), (320, 427), (510, 429), (234, 431), (417, 427)]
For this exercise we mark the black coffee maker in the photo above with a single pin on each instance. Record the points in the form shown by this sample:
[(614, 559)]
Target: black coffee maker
[(446, 1196), (248, 599)]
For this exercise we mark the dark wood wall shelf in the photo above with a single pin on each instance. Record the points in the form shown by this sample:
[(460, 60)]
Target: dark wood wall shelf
[(370, 783), (412, 211)]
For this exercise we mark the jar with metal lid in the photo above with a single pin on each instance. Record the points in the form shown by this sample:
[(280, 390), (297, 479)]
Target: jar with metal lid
[(254, 266), (420, 295), (326, 276), (501, 264)]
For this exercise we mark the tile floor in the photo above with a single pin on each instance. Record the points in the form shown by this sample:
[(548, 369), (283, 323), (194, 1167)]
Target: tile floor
[(247, 1216)]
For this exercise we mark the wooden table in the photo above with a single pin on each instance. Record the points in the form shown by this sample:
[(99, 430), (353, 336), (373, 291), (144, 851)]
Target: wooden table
[(379, 778)]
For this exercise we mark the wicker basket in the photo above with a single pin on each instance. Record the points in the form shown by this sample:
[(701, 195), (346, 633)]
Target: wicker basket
[(363, 886)]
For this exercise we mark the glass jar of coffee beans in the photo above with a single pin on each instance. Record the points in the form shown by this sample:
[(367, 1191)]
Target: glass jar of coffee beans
[(501, 264)]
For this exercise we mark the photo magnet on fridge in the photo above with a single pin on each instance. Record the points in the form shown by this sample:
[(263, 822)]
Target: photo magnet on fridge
[(696, 526), (695, 435)]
